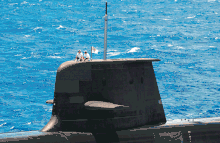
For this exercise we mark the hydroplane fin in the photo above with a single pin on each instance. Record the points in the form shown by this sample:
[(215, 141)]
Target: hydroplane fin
[(49, 101), (101, 105)]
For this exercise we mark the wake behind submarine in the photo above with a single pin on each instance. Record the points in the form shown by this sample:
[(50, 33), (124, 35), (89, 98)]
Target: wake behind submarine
[(113, 101)]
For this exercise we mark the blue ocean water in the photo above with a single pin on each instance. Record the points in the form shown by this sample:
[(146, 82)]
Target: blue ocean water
[(36, 36)]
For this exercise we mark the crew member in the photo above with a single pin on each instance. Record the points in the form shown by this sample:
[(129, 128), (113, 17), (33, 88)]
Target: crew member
[(79, 56), (87, 56)]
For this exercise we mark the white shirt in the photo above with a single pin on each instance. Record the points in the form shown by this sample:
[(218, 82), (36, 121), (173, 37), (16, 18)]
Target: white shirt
[(87, 55), (79, 55)]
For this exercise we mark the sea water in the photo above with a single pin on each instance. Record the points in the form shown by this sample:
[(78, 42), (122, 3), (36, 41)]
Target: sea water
[(36, 36)]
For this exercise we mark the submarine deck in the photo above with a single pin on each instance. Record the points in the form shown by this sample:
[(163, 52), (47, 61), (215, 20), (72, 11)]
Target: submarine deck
[(107, 61), (186, 130)]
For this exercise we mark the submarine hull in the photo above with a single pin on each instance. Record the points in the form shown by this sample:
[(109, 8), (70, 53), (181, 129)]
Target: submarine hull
[(191, 130)]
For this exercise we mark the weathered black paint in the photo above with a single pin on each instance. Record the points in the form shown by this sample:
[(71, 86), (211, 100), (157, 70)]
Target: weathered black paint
[(115, 81)]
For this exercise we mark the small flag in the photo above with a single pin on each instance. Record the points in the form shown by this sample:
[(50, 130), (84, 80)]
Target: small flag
[(94, 50)]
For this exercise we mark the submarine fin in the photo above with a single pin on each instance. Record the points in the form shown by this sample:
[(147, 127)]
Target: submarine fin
[(101, 105), (49, 101)]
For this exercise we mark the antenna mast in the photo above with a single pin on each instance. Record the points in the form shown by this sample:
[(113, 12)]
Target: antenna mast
[(105, 33)]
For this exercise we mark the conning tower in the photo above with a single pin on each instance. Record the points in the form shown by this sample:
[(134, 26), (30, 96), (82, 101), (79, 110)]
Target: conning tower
[(105, 95)]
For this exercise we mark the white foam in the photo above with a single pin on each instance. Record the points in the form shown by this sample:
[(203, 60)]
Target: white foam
[(133, 50), (2, 124), (46, 71), (24, 2), (113, 53), (60, 27), (27, 36), (37, 28), (169, 45), (167, 19), (18, 55), (112, 50), (55, 57), (191, 17), (12, 127)]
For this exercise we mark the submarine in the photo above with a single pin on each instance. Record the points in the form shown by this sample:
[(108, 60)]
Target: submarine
[(113, 101)]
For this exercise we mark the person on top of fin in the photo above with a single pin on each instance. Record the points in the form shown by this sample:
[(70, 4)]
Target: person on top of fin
[(79, 56), (87, 56)]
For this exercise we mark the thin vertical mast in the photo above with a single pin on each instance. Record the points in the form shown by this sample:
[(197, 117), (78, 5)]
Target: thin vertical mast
[(91, 53), (105, 33)]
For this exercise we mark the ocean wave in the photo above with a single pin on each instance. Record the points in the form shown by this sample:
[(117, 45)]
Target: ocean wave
[(27, 36), (113, 53), (179, 47), (18, 55), (37, 28), (111, 50), (167, 19), (13, 4), (12, 127), (3, 124), (60, 27), (169, 45), (54, 57), (135, 49), (191, 17), (24, 58), (24, 2), (20, 67)]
